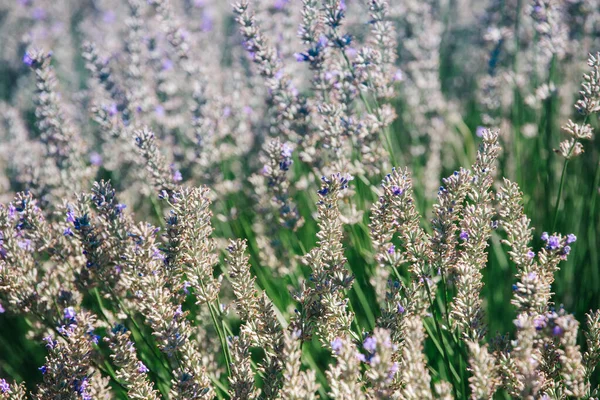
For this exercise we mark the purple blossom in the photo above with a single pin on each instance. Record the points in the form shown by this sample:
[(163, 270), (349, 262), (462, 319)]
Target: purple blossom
[(566, 250), (70, 313), (38, 13), (2, 310), (400, 309), (50, 342), (287, 149), (25, 244), (370, 344), (571, 238), (336, 345), (557, 330), (300, 57), (178, 312), (207, 22), (109, 17), (361, 357), (398, 76), (12, 211), (177, 176), (280, 4), (112, 110), (540, 322), (544, 236), (43, 369), (464, 235), (70, 215), (397, 190), (553, 242), (4, 386), (479, 131), (393, 370), (186, 285), (68, 232), (157, 255), (80, 387), (167, 64), (142, 369), (95, 159), (391, 250), (28, 60), (530, 254)]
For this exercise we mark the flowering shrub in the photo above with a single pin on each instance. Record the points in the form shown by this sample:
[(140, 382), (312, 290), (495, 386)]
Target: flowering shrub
[(203, 200)]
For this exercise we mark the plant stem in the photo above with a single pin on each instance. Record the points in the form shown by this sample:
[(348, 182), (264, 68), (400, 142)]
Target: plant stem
[(441, 339)]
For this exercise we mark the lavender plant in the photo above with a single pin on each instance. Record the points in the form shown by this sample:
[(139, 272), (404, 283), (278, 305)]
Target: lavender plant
[(203, 200)]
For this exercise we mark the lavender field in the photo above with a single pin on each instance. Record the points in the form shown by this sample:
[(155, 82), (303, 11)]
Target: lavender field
[(299, 199)]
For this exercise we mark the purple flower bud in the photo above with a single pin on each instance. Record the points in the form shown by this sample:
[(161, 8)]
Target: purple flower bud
[(2, 310), (530, 254), (464, 235), (207, 22), (400, 309), (109, 17), (370, 344), (38, 13), (300, 57), (398, 76), (553, 242), (393, 370), (12, 211), (322, 41), (43, 369), (557, 330), (361, 357), (70, 313), (544, 236), (95, 159), (287, 149), (396, 190), (28, 60), (68, 232), (167, 64), (50, 343), (539, 322), (142, 369), (571, 238), (336, 345), (566, 250), (4, 386), (112, 110), (178, 312), (391, 250), (25, 244), (177, 176)]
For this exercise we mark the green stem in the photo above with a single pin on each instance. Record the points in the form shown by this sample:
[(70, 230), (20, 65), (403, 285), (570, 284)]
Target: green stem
[(441, 339), (560, 189), (222, 338)]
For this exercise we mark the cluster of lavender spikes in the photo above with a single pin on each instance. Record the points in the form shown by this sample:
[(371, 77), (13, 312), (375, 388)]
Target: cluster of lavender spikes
[(148, 230)]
